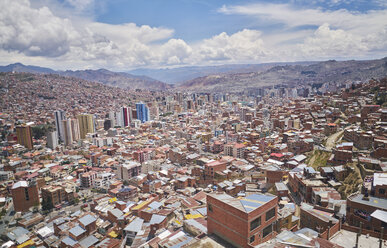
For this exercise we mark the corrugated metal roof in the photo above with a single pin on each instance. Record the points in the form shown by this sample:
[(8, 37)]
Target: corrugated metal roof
[(135, 225), (87, 219), (254, 201), (88, 241), (77, 231), (380, 215), (246, 204), (196, 224), (156, 219), (69, 241)]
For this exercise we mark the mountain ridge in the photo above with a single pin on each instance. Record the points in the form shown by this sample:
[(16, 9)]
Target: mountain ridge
[(104, 76), (181, 74), (321, 72)]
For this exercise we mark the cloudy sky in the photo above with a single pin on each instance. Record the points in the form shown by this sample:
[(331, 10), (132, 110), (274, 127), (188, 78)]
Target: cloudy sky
[(127, 34)]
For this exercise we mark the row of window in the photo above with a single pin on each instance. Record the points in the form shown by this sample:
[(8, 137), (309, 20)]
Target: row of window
[(257, 222), (266, 231)]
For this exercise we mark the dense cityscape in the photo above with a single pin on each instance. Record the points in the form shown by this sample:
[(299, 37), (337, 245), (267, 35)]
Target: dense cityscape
[(193, 124), (89, 165)]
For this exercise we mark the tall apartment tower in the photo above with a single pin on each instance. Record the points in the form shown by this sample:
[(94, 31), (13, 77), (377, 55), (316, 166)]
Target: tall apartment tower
[(126, 116), (75, 129), (86, 124), (52, 139), (67, 133), (142, 112), (59, 115), (24, 136)]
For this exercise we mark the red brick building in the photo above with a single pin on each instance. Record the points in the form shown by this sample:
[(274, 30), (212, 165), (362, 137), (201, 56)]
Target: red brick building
[(244, 222), (360, 209), (212, 167), (24, 195)]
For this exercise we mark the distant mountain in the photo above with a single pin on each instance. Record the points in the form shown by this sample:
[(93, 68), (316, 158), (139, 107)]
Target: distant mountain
[(18, 67), (182, 74), (322, 72), (116, 79)]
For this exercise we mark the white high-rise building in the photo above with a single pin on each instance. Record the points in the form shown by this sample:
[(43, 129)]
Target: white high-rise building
[(52, 139)]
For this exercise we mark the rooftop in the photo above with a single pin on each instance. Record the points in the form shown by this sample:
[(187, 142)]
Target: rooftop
[(246, 204), (373, 201)]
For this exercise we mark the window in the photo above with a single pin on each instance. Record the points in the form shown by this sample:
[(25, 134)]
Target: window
[(255, 223), (252, 239), (270, 214), (210, 207), (26, 194), (382, 191), (267, 230)]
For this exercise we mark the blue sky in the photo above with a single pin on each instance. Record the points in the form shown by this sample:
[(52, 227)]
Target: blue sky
[(194, 20), (128, 34)]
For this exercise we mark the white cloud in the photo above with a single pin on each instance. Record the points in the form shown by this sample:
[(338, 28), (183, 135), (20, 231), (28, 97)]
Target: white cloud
[(339, 33), (80, 5), (246, 45), (37, 34), (326, 41), (33, 31), (293, 17)]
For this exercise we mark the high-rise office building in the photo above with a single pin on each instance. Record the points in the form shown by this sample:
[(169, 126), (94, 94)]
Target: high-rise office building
[(24, 136), (60, 115), (86, 124), (142, 112)]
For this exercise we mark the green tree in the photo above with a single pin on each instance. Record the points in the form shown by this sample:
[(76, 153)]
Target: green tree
[(39, 131), (47, 203)]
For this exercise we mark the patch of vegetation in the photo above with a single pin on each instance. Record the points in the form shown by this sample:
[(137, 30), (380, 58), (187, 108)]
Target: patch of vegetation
[(40, 130), (166, 114), (47, 204), (380, 97), (318, 159), (350, 184)]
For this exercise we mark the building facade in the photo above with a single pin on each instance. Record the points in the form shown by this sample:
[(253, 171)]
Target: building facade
[(24, 195), (244, 222)]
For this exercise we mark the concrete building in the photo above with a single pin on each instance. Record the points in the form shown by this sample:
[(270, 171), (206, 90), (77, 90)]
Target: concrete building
[(88, 179), (52, 139), (235, 150), (244, 222), (142, 112), (57, 194), (128, 170), (59, 115)]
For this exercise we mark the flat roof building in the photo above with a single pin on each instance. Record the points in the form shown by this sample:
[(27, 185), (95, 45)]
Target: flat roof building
[(243, 222)]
